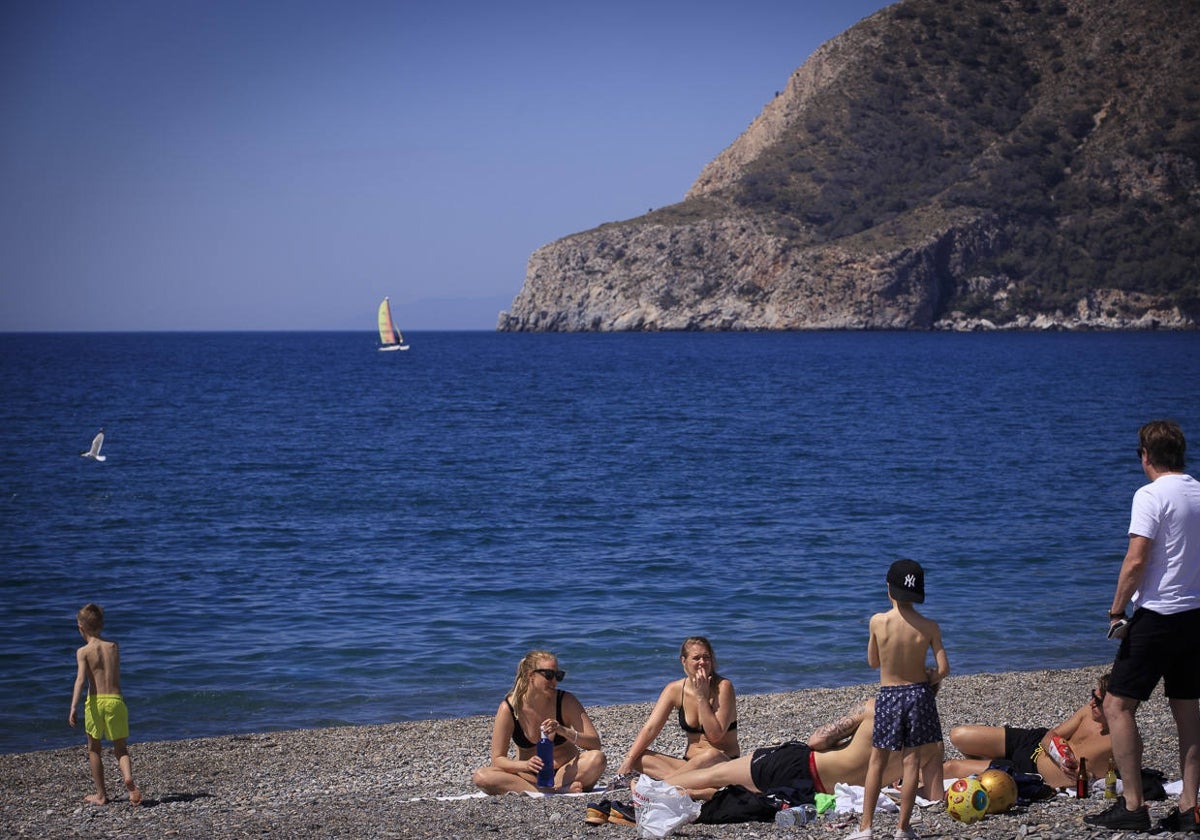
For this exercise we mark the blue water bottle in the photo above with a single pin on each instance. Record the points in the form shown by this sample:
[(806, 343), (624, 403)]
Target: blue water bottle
[(545, 751)]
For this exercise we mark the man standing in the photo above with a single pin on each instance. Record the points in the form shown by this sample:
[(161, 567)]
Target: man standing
[(1160, 576)]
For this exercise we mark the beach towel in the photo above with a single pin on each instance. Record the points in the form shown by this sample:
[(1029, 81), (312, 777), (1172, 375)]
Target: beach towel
[(850, 800)]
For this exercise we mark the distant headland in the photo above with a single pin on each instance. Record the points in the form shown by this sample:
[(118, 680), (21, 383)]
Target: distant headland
[(943, 164)]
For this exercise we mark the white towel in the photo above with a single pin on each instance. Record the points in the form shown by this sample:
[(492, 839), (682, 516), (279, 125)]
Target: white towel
[(535, 794), (849, 800)]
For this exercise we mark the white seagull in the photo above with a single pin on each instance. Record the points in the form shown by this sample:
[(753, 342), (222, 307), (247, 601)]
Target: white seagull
[(97, 442)]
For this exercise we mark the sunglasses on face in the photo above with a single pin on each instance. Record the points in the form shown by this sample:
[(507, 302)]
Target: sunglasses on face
[(550, 673), (1098, 699)]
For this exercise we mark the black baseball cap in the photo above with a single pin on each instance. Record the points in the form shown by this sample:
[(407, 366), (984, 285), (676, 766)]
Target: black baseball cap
[(906, 581)]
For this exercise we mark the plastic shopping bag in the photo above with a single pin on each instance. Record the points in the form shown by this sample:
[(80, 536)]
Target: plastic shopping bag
[(661, 808)]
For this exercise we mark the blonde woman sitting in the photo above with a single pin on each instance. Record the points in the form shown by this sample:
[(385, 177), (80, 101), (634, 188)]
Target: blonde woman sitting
[(534, 705), (707, 713)]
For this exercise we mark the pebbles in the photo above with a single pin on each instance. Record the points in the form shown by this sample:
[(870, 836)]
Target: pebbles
[(383, 781)]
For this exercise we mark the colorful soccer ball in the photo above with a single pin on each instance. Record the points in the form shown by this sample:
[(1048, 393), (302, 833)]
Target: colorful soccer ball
[(1001, 790), (966, 800)]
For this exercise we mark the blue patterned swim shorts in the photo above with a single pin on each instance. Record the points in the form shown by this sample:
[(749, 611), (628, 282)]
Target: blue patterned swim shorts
[(905, 716)]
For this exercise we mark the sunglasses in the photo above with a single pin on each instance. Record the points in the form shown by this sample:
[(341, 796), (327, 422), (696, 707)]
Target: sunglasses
[(1098, 699), (550, 673)]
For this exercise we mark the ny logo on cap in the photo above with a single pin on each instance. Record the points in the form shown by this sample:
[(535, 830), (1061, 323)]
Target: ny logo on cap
[(910, 581)]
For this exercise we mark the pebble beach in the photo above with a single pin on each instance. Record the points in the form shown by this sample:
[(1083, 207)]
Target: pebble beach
[(412, 779)]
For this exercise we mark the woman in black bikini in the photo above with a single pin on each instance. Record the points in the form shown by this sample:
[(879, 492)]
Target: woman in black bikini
[(536, 704), (707, 712)]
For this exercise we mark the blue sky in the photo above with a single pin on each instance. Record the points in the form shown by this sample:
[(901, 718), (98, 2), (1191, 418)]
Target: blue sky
[(256, 165)]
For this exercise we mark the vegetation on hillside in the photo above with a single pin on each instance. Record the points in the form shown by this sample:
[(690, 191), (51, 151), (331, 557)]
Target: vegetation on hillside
[(1078, 134)]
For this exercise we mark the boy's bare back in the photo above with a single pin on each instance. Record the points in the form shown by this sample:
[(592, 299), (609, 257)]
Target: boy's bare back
[(98, 666), (899, 640), (100, 659)]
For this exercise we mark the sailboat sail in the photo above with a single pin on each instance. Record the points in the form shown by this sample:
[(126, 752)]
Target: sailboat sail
[(389, 336)]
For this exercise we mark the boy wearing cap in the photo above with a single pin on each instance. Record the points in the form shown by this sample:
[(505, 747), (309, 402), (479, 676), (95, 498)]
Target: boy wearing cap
[(906, 717)]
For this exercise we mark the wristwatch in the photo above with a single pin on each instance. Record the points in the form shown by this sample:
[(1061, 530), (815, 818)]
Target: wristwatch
[(1115, 615)]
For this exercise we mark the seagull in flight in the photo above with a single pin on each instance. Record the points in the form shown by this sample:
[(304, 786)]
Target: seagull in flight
[(97, 442)]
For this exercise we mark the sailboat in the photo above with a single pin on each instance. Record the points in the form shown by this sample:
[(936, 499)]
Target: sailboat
[(389, 337)]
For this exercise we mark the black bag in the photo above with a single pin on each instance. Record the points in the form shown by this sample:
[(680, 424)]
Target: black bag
[(1031, 787), (1152, 785), (735, 804)]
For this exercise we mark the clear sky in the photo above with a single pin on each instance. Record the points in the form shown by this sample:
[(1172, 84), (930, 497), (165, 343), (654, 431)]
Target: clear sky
[(262, 165)]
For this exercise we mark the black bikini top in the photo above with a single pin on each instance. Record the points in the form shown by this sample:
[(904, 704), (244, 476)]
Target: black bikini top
[(695, 730), (519, 737)]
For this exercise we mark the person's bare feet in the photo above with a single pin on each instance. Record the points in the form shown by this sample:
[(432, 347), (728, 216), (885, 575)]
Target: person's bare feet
[(95, 799), (135, 795)]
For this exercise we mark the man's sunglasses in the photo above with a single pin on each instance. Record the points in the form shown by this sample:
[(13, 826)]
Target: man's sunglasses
[(1098, 698), (550, 673)]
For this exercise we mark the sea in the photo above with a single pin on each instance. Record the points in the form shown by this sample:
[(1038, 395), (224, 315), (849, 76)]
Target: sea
[(294, 530)]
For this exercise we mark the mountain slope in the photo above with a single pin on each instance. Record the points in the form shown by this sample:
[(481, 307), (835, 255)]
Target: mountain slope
[(942, 164)]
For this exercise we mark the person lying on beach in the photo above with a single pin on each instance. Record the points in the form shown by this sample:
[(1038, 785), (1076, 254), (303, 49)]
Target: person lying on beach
[(1030, 750), (837, 752), (707, 714), (534, 705)]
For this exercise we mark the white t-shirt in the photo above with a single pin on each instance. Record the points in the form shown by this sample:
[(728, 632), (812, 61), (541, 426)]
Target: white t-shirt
[(1167, 511)]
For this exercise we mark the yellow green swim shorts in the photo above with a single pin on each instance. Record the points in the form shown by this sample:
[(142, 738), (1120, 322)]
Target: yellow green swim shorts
[(105, 716)]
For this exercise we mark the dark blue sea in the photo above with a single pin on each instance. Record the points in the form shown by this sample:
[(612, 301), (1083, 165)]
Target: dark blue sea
[(295, 530)]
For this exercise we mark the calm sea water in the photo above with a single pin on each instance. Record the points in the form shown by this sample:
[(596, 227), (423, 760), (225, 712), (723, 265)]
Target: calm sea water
[(294, 530)]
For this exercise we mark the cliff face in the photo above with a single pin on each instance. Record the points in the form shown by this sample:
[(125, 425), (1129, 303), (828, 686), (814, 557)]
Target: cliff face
[(943, 164)]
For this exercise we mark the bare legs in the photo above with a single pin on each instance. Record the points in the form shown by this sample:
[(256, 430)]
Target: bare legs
[(494, 781), (921, 770), (702, 782), (932, 773), (583, 773), (975, 741), (874, 783), (1121, 713), (1187, 721), (578, 775), (96, 762), (126, 765)]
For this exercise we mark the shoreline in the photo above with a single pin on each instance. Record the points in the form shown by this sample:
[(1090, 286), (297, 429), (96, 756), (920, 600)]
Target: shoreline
[(385, 780)]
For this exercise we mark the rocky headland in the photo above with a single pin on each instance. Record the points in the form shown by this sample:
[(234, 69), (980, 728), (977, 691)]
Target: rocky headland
[(943, 164)]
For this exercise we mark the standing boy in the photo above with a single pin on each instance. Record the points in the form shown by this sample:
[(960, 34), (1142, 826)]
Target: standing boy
[(105, 715), (906, 717)]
